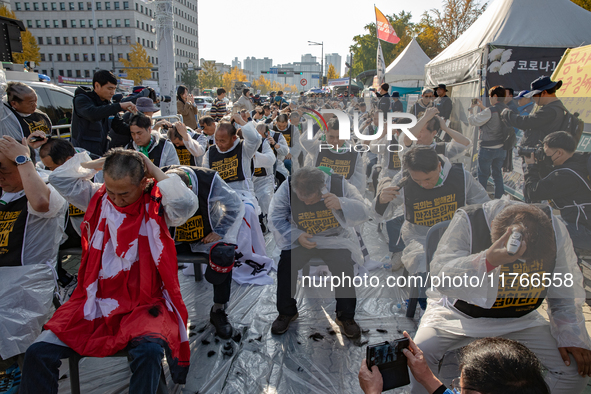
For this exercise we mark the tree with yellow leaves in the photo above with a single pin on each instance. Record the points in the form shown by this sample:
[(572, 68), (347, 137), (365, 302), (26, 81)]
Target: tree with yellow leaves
[(138, 57), (235, 75), (30, 47), (332, 72), (262, 84)]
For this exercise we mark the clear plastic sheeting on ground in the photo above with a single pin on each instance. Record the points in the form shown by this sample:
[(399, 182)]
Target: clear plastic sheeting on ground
[(311, 357)]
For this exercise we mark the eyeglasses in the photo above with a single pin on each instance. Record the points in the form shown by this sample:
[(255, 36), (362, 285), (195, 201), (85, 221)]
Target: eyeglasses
[(428, 96), (456, 388)]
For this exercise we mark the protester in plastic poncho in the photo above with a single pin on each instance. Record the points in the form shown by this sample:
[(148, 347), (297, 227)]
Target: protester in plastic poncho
[(459, 313), (128, 291), (431, 191), (278, 143), (264, 174), (311, 213), (189, 145), (232, 158), (292, 136), (151, 144), (215, 224), (32, 216), (337, 154)]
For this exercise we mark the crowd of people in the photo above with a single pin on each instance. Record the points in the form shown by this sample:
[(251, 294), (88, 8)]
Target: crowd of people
[(134, 191)]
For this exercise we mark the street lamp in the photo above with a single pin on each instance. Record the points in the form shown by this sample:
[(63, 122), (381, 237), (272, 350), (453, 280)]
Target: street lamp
[(113, 52), (322, 60)]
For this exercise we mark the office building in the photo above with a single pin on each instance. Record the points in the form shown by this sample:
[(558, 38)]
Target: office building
[(66, 31), (255, 66), (335, 60)]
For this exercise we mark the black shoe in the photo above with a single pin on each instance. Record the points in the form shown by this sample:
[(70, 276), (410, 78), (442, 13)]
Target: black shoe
[(281, 324), (349, 327), (219, 319)]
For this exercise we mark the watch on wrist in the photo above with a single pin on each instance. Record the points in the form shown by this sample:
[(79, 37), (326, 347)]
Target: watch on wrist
[(22, 159)]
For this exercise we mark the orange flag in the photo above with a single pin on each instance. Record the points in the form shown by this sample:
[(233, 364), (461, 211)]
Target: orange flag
[(384, 28)]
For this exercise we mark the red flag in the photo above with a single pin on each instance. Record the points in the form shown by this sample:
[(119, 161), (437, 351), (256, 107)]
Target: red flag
[(384, 28)]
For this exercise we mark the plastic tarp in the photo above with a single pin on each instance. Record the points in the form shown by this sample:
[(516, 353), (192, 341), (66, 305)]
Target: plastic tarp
[(408, 69), (259, 362)]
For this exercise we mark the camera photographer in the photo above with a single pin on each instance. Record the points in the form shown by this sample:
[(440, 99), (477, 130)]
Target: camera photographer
[(567, 185)]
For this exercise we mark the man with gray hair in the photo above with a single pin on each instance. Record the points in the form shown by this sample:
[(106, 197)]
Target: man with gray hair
[(22, 102), (312, 215)]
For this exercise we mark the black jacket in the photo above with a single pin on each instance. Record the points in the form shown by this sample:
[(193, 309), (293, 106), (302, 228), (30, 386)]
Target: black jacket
[(445, 107), (566, 185), (90, 121), (536, 126)]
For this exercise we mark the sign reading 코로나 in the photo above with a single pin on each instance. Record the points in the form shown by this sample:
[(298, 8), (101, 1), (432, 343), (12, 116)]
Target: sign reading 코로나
[(574, 70), (517, 67)]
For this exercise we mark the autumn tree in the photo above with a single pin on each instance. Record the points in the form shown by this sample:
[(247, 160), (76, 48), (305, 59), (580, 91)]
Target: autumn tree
[(139, 63), (262, 84), (455, 18), (586, 4), (427, 35), (209, 76), (332, 73), (30, 47), (235, 75)]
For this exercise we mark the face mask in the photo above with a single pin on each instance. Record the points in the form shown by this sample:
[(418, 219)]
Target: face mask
[(440, 181)]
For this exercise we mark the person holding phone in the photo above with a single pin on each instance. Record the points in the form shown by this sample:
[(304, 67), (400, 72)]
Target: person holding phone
[(487, 366), (185, 105)]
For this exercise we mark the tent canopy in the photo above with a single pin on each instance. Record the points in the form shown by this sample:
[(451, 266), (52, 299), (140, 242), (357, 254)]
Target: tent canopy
[(513, 23), (409, 66)]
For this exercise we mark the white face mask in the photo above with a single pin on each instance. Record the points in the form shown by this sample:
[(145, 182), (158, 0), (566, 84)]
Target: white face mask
[(23, 115)]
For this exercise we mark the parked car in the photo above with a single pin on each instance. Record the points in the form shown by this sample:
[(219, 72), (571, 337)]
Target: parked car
[(204, 103)]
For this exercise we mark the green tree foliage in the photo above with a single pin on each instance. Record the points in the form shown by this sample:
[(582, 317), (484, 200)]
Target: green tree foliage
[(209, 76), (189, 78), (434, 32)]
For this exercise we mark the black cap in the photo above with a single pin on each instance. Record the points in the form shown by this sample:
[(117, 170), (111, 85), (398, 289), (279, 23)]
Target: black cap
[(221, 262)]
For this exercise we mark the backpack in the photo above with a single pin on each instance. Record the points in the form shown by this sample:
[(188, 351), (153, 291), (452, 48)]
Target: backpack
[(572, 124), (507, 132)]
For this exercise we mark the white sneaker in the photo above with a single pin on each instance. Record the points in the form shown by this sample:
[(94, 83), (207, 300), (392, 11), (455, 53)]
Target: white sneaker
[(396, 261), (66, 291)]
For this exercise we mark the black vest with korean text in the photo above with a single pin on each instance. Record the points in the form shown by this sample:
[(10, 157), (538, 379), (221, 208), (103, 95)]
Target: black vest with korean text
[(286, 134), (185, 157), (394, 161), (341, 163), (427, 207), (228, 165), (316, 218), (260, 172), (155, 155), (512, 301), (36, 121), (13, 221), (198, 225)]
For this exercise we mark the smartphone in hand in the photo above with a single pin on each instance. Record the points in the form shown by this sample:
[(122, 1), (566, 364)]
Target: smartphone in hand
[(391, 362)]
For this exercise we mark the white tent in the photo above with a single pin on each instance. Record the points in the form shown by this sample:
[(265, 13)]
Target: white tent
[(408, 69), (518, 23)]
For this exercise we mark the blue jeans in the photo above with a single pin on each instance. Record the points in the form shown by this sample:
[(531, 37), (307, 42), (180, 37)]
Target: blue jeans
[(581, 237), (43, 359), (396, 244), (492, 158)]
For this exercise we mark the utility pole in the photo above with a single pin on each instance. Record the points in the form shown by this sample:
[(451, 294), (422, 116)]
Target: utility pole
[(96, 55), (166, 52), (350, 67)]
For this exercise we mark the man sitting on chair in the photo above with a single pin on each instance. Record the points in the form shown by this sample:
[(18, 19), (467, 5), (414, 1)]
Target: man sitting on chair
[(312, 215), (128, 295), (216, 222)]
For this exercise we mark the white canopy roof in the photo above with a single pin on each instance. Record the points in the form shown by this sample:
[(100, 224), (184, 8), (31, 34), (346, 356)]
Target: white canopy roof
[(524, 23), (408, 66)]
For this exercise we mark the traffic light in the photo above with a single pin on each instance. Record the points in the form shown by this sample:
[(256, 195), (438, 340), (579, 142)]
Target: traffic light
[(298, 73), (282, 72), (265, 72)]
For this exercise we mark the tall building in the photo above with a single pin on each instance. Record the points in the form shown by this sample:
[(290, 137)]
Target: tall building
[(335, 60), (236, 63), (255, 66), (65, 33)]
